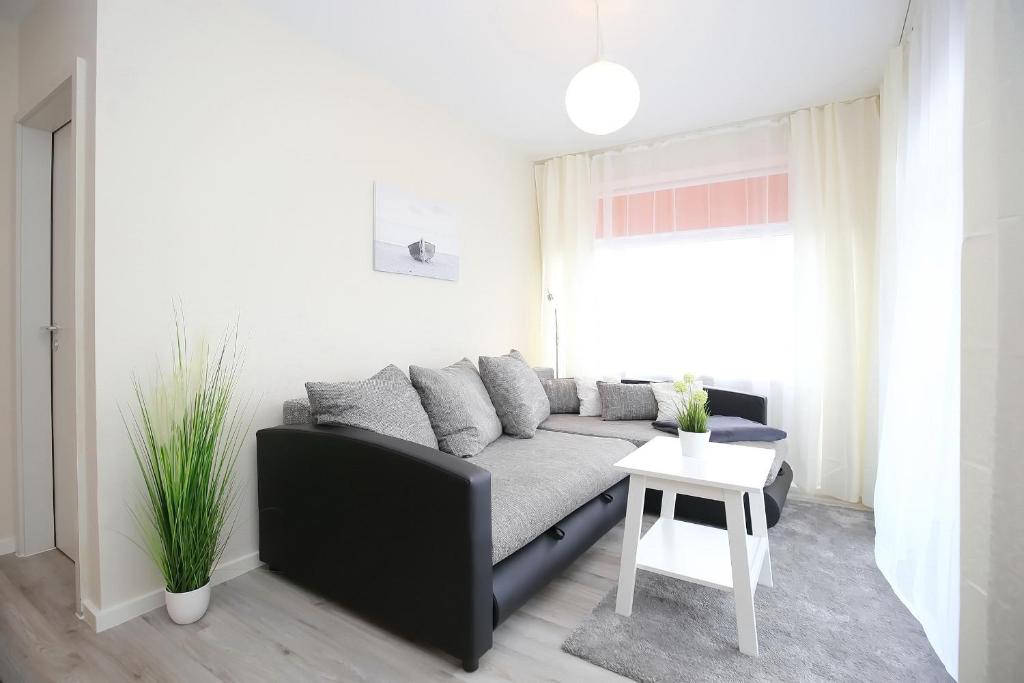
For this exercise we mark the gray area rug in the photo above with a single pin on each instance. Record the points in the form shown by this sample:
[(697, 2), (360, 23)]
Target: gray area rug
[(830, 617)]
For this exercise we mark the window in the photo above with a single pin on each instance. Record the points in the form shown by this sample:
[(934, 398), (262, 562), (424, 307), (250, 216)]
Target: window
[(700, 277)]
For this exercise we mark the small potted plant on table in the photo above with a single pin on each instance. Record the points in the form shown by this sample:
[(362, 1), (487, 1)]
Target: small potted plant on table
[(692, 417), (186, 436)]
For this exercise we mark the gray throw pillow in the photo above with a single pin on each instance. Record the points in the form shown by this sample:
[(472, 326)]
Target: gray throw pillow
[(386, 403), (627, 401), (562, 395), (518, 356), (516, 393), (458, 406)]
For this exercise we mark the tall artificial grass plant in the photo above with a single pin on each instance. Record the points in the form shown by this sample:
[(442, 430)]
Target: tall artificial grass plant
[(186, 433)]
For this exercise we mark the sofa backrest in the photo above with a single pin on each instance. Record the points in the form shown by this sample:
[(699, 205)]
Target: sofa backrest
[(296, 410)]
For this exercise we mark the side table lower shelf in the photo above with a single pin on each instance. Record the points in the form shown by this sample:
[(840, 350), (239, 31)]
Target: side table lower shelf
[(696, 553)]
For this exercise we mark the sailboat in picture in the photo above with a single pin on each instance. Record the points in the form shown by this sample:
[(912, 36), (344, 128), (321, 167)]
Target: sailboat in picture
[(422, 250)]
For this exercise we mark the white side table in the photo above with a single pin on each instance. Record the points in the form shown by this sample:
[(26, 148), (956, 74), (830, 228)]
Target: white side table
[(725, 559)]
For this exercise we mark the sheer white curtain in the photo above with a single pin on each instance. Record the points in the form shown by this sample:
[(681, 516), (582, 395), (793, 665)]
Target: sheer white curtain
[(992, 406), (565, 201), (728, 300), (732, 151), (920, 235), (778, 303), (833, 186)]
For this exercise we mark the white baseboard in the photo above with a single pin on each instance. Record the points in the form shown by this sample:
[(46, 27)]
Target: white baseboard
[(102, 619), (7, 545)]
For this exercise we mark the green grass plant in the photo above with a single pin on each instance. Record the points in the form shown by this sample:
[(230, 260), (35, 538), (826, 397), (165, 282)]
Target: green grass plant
[(186, 433), (692, 406)]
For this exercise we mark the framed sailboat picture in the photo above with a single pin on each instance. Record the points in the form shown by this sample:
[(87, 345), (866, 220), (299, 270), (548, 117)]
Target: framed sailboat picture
[(413, 236)]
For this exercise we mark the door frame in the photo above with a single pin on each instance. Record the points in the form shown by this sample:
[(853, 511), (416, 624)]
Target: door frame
[(34, 145)]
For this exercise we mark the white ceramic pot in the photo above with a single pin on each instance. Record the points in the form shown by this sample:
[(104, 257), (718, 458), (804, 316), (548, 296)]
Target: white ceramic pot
[(692, 444), (187, 608)]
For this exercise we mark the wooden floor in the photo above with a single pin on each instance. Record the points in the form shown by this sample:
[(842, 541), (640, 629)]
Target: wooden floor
[(260, 627)]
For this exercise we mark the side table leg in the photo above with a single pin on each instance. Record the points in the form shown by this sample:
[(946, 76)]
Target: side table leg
[(668, 505), (746, 625), (630, 541), (759, 525)]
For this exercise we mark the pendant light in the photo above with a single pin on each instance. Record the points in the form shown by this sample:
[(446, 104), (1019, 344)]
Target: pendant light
[(603, 97)]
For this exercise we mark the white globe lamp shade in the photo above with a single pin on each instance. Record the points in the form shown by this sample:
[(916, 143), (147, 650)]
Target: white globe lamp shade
[(602, 98)]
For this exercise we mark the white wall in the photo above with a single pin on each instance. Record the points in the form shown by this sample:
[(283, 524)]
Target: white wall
[(8, 114), (992, 429), (234, 175)]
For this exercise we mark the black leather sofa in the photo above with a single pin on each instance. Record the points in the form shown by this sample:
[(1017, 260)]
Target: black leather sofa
[(401, 533)]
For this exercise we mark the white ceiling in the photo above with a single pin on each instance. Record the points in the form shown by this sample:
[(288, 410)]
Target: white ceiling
[(504, 64)]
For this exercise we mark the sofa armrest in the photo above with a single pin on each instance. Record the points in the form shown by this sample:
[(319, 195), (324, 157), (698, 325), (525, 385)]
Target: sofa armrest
[(737, 404), (545, 373), (397, 531)]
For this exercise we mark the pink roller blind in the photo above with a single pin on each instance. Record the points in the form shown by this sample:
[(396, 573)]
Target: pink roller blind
[(755, 200)]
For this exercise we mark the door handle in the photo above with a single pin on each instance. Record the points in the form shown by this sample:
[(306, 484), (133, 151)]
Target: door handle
[(53, 330)]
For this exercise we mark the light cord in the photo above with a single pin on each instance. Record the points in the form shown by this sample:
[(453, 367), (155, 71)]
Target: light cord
[(597, 30)]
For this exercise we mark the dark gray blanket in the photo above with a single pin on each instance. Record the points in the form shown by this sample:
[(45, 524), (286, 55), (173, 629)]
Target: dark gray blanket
[(728, 429)]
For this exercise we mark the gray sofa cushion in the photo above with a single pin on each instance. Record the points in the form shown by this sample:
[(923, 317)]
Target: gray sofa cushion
[(639, 432), (386, 403), (627, 401), (516, 393), (515, 353), (458, 406), (536, 483), (296, 412), (562, 395)]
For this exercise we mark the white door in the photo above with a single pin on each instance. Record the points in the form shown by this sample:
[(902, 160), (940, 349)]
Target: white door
[(62, 386)]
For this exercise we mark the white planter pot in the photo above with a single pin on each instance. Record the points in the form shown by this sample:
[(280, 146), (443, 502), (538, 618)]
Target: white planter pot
[(187, 608), (692, 444)]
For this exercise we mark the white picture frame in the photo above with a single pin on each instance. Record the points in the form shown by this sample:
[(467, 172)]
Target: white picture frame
[(413, 236)]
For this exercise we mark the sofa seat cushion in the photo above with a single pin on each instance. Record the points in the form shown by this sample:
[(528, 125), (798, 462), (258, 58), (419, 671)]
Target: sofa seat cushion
[(536, 483), (639, 432)]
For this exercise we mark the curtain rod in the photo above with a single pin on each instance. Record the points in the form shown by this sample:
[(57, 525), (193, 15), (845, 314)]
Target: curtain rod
[(774, 118)]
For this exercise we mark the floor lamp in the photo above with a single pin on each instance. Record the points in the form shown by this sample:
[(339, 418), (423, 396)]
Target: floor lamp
[(551, 298)]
